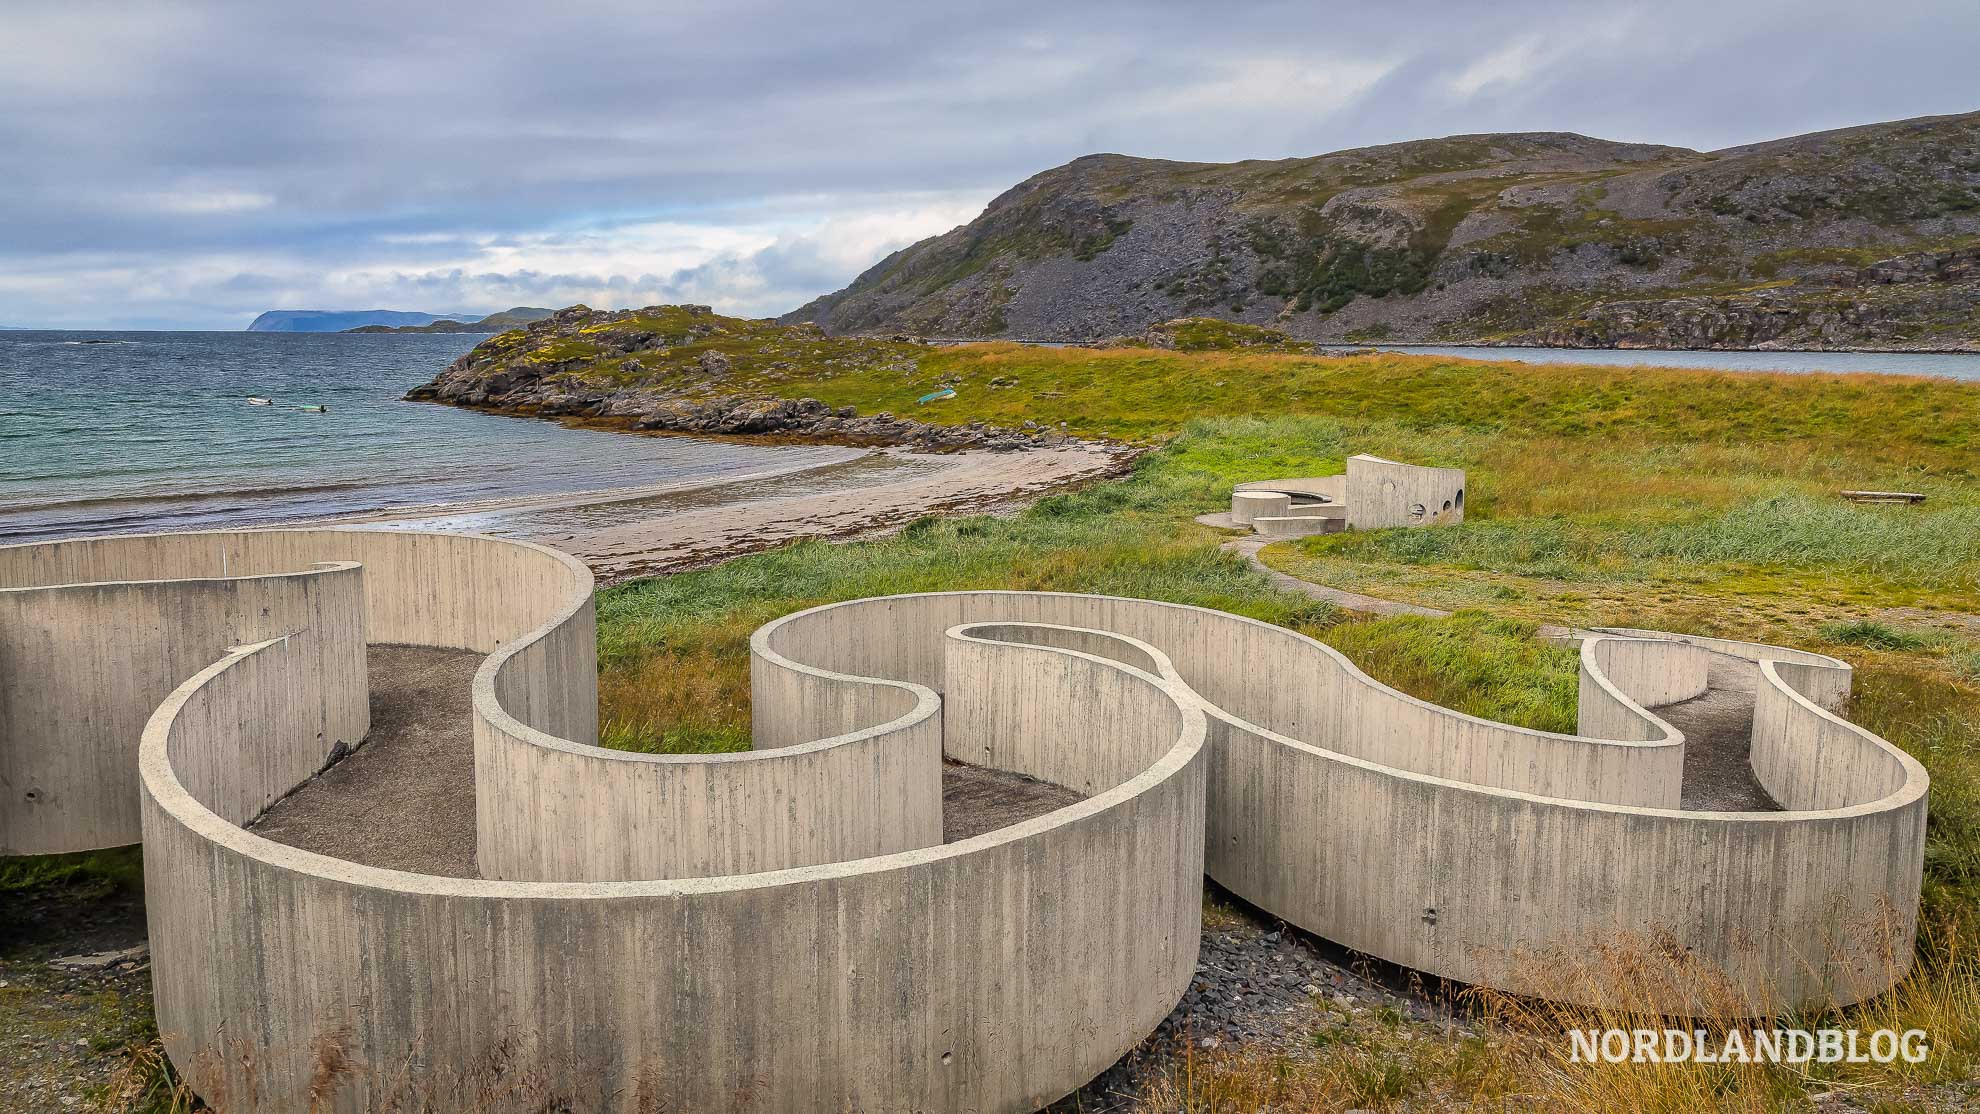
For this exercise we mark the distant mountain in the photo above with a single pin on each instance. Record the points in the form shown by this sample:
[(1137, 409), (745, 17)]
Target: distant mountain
[(338, 321), (501, 322), (1863, 237)]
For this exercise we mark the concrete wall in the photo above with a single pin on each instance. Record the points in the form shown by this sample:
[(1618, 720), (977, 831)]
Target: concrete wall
[(1386, 493), (82, 666), (1372, 493), (1462, 847), (820, 988), (820, 952), (1248, 506), (1621, 677)]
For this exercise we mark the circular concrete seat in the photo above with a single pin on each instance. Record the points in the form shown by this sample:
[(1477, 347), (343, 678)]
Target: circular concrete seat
[(1247, 506)]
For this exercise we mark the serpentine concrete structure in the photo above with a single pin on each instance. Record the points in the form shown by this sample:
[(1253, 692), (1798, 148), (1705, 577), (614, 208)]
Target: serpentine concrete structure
[(783, 929)]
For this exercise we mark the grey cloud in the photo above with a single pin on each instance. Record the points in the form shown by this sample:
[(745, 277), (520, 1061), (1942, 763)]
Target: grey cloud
[(191, 140)]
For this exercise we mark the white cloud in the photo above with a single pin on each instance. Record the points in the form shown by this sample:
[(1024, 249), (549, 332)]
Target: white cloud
[(200, 202), (1508, 64), (758, 261), (1315, 85)]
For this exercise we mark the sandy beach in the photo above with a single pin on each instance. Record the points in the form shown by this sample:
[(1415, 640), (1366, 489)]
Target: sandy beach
[(630, 532)]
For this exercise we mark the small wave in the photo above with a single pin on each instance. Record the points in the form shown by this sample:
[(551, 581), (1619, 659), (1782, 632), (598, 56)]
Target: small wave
[(209, 496)]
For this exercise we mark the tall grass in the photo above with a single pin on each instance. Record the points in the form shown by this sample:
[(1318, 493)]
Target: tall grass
[(674, 650)]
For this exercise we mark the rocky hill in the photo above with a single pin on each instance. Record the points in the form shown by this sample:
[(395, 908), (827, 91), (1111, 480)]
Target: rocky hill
[(1864, 237)]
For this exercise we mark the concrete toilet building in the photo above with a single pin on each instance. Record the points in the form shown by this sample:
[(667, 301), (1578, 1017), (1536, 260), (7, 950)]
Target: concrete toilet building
[(1371, 494)]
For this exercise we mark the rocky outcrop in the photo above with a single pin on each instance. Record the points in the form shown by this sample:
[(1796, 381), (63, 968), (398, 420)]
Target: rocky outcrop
[(654, 370), (1526, 237)]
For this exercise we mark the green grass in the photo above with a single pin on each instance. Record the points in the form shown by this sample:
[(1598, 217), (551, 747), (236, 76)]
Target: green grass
[(673, 650), (1480, 665), (116, 868), (1875, 635)]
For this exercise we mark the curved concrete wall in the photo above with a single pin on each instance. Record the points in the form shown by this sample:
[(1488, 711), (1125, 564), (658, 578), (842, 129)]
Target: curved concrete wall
[(820, 952), (1388, 493), (82, 666), (1620, 677), (1372, 493), (993, 974), (1461, 847)]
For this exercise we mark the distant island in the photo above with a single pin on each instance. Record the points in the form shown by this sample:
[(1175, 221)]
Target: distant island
[(1866, 237), (339, 321), (391, 321), (502, 322)]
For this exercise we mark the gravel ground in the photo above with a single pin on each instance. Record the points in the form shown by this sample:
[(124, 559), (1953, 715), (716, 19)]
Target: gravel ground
[(1718, 741), (1258, 985), (405, 799), (62, 1026)]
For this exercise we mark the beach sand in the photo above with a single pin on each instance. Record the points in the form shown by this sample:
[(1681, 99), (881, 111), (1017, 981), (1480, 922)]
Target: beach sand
[(630, 532)]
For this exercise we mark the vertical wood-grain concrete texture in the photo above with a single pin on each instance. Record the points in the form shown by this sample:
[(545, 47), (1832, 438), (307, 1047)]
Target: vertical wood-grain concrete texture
[(996, 973), (83, 664), (1371, 494), (781, 930), (1389, 493)]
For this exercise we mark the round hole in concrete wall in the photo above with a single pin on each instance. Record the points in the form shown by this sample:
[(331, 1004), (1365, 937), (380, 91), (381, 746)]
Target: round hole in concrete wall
[(1460, 499), (1416, 510), (1447, 506)]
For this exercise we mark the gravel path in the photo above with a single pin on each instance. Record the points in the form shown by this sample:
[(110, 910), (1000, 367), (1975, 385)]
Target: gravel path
[(405, 799), (1718, 741)]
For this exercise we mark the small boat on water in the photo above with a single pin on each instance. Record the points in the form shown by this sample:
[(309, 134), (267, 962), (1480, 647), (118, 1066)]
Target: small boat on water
[(257, 400), (311, 409)]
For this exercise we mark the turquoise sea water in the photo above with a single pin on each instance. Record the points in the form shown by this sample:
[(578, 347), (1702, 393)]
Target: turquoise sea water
[(113, 432)]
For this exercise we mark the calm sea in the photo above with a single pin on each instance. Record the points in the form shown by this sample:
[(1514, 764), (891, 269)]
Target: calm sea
[(1960, 365), (112, 432)]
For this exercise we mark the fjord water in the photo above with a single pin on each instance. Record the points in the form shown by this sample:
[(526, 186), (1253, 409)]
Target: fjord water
[(116, 432), (1955, 365)]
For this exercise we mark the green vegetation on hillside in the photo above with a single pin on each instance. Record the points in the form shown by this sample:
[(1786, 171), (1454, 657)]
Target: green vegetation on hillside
[(1549, 237)]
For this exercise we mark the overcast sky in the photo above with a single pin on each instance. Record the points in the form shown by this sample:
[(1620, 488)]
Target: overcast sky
[(189, 163)]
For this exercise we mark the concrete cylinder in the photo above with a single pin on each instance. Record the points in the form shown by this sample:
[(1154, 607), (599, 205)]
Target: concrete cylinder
[(1249, 505)]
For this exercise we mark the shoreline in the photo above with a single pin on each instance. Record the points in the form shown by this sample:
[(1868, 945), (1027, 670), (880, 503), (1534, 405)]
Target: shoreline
[(1044, 342), (1492, 344), (589, 497), (660, 539)]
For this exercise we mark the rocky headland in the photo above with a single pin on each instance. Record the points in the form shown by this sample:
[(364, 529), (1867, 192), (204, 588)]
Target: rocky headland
[(687, 369)]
